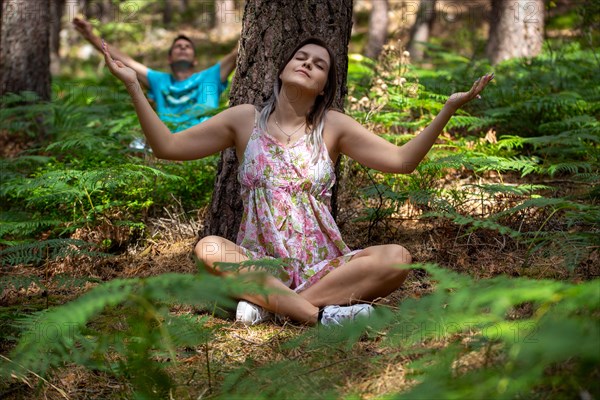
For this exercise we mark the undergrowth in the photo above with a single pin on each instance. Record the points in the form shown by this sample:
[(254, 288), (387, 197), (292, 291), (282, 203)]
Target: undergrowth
[(523, 163), (481, 345), (86, 170), (507, 159)]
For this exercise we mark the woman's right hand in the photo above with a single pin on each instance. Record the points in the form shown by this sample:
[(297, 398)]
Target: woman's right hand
[(127, 75)]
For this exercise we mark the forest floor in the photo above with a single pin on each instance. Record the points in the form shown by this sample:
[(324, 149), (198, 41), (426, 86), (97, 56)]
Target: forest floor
[(167, 247)]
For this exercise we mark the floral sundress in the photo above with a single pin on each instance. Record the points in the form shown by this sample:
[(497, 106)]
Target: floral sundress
[(286, 209)]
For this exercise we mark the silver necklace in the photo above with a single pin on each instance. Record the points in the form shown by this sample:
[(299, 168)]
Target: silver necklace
[(289, 135)]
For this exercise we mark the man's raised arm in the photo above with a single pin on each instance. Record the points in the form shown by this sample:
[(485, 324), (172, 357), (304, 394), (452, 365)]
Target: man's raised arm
[(228, 63), (85, 28)]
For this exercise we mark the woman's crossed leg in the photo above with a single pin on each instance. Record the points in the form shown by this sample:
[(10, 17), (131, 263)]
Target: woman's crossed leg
[(373, 272)]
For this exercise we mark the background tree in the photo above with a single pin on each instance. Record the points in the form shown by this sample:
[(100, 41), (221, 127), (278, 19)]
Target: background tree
[(378, 28), (419, 33), (57, 8), (516, 29), (167, 12), (24, 44), (270, 30)]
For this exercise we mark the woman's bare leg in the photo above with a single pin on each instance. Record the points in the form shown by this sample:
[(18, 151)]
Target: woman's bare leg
[(371, 273), (213, 249)]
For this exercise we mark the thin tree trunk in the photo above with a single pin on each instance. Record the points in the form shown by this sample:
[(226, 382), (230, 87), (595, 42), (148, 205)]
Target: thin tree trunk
[(378, 28), (270, 30), (419, 33), (183, 5), (57, 8), (167, 12), (516, 29), (106, 11), (24, 47)]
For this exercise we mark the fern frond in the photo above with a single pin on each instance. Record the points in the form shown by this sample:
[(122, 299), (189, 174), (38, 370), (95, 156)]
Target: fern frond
[(82, 141), (475, 223), (36, 253), (23, 224), (519, 190), (73, 339), (592, 177), (571, 167), (462, 121), (17, 282), (510, 142)]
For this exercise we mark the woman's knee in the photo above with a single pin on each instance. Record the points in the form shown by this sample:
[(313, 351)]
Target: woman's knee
[(208, 250), (395, 257), (214, 249), (395, 254)]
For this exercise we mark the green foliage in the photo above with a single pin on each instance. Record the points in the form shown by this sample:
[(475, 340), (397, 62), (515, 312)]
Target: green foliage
[(22, 113), (561, 328), (38, 252), (541, 119), (125, 328), (85, 172), (83, 331), (498, 338), (486, 347)]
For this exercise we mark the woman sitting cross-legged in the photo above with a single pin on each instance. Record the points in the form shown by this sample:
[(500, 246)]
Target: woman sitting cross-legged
[(287, 152)]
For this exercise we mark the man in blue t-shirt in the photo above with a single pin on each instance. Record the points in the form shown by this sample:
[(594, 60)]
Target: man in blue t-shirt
[(183, 97)]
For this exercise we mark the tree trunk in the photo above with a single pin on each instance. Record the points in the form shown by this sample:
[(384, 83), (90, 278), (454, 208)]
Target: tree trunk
[(24, 47), (516, 29), (167, 12), (378, 28), (106, 11), (419, 33), (57, 8), (270, 30), (183, 5)]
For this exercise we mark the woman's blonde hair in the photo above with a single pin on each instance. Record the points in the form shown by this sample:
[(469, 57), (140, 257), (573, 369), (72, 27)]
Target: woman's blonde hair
[(315, 120)]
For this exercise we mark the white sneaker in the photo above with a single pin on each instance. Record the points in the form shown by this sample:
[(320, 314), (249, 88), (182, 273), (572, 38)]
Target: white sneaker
[(337, 315), (251, 314)]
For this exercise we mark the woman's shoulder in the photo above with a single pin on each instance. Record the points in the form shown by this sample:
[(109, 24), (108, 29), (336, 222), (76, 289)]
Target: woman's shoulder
[(243, 108), (241, 112), (240, 117), (336, 119)]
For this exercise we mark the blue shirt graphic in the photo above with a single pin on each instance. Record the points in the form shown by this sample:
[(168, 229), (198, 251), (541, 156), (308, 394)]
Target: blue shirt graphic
[(182, 104)]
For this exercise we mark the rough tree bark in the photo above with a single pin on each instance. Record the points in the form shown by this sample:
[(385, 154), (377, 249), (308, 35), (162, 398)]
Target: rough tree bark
[(516, 29), (271, 29), (378, 28), (25, 47)]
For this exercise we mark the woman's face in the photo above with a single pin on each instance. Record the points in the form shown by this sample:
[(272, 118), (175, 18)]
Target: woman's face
[(307, 70)]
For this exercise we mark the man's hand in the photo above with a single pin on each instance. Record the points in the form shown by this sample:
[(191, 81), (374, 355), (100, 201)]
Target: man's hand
[(84, 27), (457, 100)]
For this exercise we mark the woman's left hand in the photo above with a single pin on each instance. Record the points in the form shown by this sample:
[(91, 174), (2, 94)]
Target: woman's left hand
[(457, 100)]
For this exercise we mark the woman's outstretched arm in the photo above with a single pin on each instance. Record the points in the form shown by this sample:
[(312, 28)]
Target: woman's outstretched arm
[(375, 152), (198, 141)]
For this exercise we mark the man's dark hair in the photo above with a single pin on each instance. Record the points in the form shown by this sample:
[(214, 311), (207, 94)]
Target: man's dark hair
[(179, 37)]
